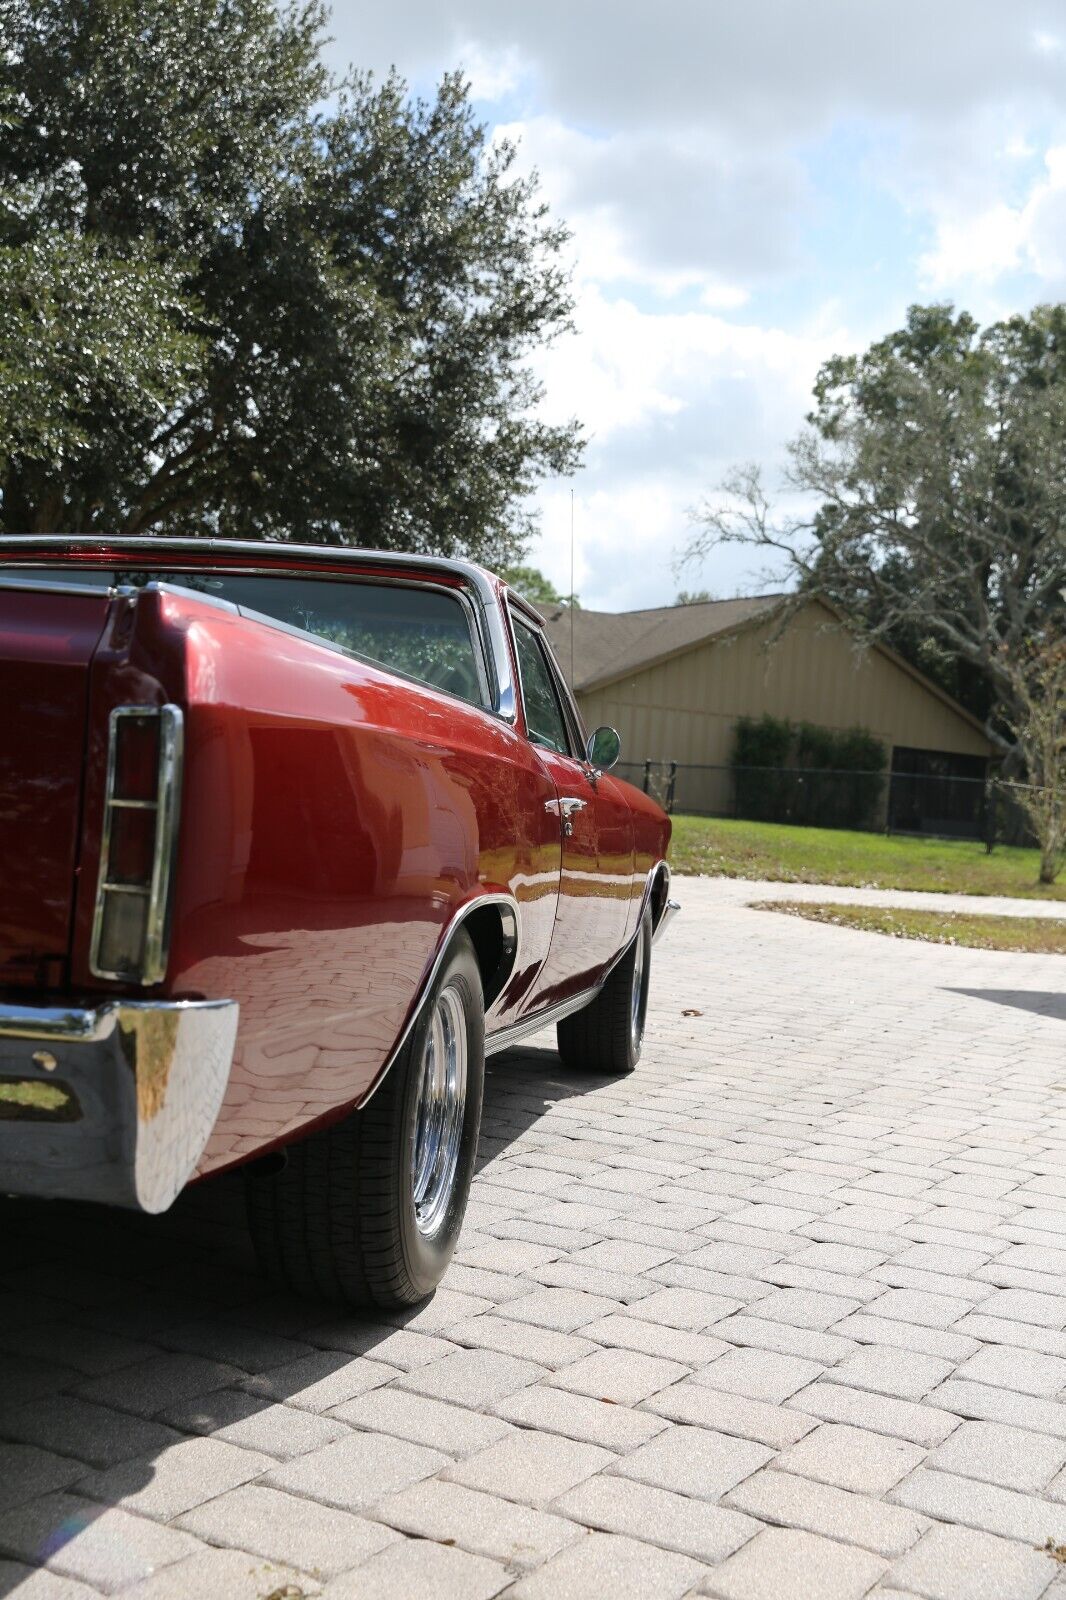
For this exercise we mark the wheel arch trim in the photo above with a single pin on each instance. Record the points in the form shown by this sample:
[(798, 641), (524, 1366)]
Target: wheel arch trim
[(511, 943)]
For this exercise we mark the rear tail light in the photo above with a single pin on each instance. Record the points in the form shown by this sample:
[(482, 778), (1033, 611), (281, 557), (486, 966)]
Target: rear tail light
[(132, 916)]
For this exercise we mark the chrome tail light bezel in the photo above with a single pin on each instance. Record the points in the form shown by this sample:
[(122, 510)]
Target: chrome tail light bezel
[(167, 807)]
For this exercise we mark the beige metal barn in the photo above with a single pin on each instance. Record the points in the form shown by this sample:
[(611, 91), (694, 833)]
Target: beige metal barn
[(674, 680)]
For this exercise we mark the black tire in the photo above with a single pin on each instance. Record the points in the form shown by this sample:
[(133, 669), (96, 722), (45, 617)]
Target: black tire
[(607, 1036), (338, 1220)]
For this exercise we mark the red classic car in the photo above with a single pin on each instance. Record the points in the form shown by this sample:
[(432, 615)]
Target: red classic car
[(290, 840)]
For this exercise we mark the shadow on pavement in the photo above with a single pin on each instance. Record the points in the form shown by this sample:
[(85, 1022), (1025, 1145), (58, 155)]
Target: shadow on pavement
[(122, 1335), (1045, 1003)]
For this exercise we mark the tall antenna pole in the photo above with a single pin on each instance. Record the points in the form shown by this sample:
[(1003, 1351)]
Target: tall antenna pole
[(571, 588)]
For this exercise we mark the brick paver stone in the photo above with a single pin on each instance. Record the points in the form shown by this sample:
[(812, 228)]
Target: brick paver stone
[(104, 1547), (177, 1478), (228, 1573), (782, 1498), (605, 1566), (37, 1583), (780, 1314), (759, 1374), (707, 1533), (531, 1467), (693, 1461), (413, 1567), (621, 1376), (1013, 1457), (962, 1564), (451, 1514), (782, 1561), (851, 1458), (282, 1527), (357, 1470), (472, 1377), (579, 1416)]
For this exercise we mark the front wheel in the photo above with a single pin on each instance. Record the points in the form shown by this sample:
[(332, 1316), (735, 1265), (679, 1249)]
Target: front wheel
[(607, 1035), (368, 1211)]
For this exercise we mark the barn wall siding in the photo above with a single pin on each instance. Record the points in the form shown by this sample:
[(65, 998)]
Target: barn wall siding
[(684, 709)]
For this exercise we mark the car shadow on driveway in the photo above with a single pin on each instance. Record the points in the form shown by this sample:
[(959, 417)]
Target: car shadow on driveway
[(123, 1336), (1045, 1003)]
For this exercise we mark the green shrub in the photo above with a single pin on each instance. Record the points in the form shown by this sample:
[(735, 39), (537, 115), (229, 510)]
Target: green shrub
[(817, 776), (760, 755)]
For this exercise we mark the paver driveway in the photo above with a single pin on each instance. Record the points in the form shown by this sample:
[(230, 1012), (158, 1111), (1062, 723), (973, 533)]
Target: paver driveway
[(782, 1315)]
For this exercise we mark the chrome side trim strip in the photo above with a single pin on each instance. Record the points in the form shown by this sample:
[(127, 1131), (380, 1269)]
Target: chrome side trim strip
[(525, 1027)]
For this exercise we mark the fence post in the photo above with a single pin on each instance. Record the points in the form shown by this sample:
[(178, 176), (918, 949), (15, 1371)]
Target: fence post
[(670, 785), (647, 777)]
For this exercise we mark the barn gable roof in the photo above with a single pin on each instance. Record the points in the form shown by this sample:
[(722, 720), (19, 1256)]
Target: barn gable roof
[(610, 644)]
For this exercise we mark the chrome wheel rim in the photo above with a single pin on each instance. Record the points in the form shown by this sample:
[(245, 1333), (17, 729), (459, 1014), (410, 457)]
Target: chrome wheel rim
[(441, 1108), (638, 995)]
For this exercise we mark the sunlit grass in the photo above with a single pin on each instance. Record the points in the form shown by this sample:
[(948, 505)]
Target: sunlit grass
[(1037, 935), (732, 849)]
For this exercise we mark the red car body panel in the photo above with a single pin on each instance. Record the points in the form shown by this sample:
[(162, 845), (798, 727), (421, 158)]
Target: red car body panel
[(334, 818)]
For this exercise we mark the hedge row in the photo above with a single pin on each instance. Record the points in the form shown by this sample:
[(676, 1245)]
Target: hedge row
[(788, 772)]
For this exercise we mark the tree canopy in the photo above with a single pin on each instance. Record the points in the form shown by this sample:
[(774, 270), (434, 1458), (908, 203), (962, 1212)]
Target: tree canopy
[(531, 583), (237, 298), (935, 464)]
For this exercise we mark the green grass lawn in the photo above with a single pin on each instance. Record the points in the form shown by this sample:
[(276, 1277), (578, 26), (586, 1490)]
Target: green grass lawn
[(1043, 935), (719, 846)]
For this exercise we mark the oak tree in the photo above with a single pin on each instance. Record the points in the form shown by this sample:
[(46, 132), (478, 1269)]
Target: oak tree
[(238, 298)]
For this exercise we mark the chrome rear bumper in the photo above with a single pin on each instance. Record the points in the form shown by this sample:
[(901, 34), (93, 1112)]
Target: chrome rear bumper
[(113, 1103)]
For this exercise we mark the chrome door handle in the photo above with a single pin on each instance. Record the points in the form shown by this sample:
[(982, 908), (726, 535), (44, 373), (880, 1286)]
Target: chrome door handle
[(565, 805), (564, 808)]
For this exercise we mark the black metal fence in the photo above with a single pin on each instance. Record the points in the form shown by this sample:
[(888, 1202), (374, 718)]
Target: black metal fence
[(873, 802)]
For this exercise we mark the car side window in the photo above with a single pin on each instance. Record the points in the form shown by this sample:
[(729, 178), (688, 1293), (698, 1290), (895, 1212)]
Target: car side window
[(544, 716)]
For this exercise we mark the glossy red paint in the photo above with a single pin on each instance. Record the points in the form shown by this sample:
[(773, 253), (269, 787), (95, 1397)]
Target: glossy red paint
[(334, 819), (46, 645)]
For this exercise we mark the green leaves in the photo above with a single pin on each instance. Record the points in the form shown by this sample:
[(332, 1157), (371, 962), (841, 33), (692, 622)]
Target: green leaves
[(235, 298)]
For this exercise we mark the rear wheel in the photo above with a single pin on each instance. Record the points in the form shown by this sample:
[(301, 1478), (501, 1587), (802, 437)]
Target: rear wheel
[(368, 1211), (607, 1035)]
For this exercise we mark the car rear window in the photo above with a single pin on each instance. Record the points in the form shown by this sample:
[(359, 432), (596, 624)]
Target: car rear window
[(421, 631)]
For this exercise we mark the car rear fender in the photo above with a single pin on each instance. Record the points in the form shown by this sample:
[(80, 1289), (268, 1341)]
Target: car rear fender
[(493, 922)]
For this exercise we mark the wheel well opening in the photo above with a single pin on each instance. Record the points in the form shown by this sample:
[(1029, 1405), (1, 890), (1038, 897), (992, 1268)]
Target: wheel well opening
[(493, 931), (659, 891)]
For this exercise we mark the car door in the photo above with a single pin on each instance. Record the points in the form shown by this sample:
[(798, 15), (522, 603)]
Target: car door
[(596, 828)]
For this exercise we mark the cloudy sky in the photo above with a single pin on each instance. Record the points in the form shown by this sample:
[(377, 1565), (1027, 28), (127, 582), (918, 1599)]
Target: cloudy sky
[(752, 185)]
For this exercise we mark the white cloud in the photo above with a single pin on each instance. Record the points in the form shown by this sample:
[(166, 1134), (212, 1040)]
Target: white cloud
[(670, 399), (984, 245), (669, 212), (491, 74), (709, 159)]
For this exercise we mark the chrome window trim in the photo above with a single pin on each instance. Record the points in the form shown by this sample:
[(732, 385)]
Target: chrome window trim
[(577, 720), (481, 586), (522, 622), (167, 807), (522, 616), (52, 586)]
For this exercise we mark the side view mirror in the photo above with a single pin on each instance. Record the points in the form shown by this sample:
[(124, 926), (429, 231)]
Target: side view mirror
[(604, 748)]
